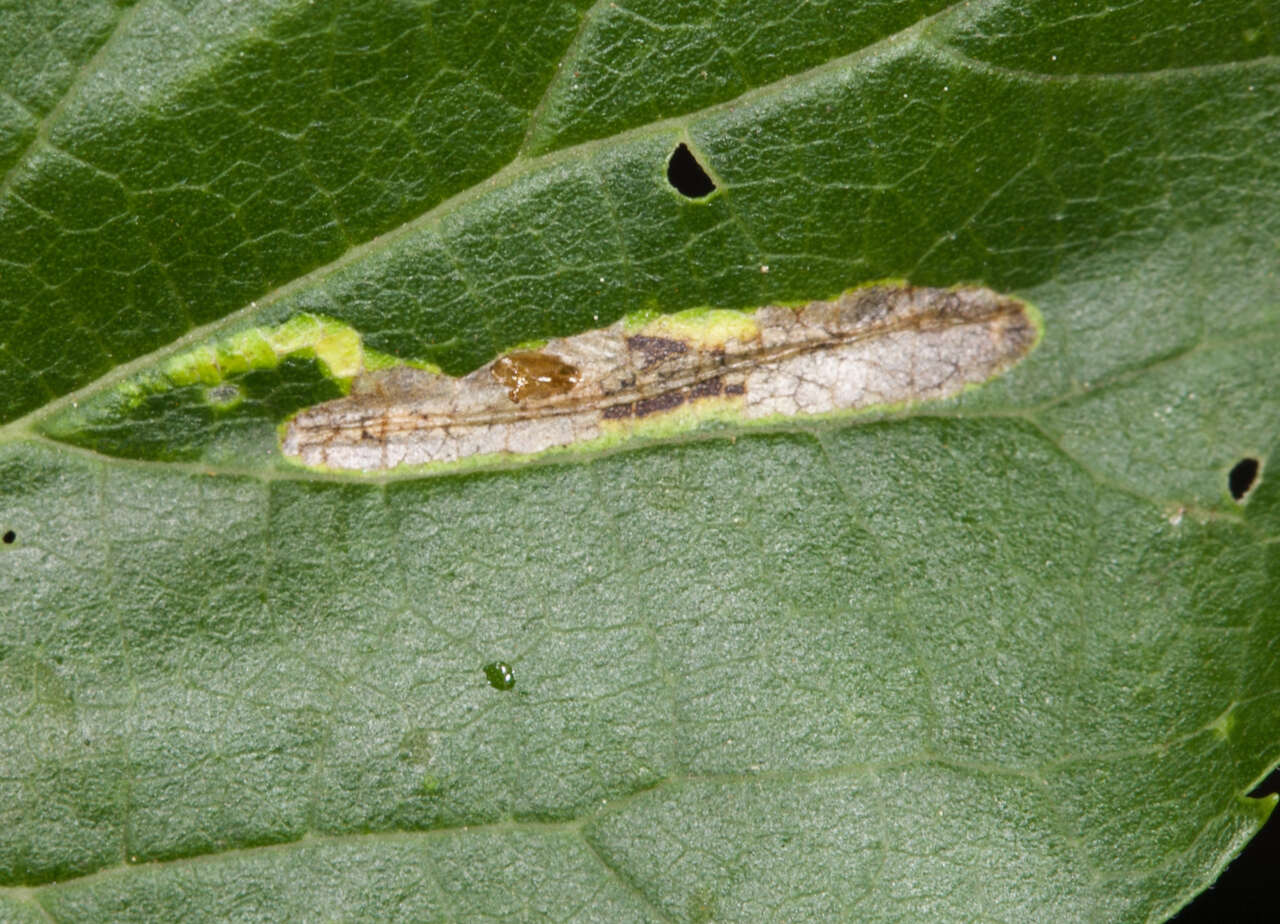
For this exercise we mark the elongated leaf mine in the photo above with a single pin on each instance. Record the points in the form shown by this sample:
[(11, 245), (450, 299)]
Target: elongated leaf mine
[(883, 345)]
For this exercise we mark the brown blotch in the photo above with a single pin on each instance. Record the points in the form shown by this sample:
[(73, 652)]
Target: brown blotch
[(737, 389), (1020, 331), (656, 349), (707, 389), (663, 402), (531, 374), (618, 411)]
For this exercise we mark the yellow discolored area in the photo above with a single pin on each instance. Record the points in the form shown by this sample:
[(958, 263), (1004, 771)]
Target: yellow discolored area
[(337, 347), (703, 328)]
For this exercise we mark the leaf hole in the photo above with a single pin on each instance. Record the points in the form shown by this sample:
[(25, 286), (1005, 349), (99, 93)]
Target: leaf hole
[(1244, 475), (10, 537), (687, 175)]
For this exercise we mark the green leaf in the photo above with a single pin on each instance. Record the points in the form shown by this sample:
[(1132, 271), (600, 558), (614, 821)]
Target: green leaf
[(1007, 657)]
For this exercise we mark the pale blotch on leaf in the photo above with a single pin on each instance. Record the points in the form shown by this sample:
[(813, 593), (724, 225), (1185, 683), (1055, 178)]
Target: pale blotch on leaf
[(224, 396), (877, 347)]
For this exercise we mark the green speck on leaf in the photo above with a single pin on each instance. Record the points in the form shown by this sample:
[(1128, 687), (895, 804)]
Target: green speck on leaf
[(500, 675)]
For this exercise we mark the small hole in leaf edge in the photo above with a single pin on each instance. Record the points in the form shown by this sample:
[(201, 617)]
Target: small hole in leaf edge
[(686, 175), (1244, 475)]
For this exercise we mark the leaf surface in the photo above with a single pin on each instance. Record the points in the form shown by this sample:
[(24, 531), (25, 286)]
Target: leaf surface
[(1007, 657)]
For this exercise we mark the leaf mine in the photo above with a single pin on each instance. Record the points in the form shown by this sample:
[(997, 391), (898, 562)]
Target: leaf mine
[(877, 346)]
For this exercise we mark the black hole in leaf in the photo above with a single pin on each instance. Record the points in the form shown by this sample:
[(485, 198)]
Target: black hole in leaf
[(1242, 477), (9, 537), (686, 174)]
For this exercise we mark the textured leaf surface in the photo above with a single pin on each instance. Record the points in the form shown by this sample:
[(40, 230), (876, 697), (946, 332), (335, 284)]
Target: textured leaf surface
[(1011, 657)]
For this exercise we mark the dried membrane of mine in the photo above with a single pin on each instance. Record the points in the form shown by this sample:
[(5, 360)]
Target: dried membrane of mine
[(879, 345)]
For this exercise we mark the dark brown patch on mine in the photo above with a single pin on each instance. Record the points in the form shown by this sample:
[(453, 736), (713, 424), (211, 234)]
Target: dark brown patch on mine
[(531, 374), (618, 411), (663, 402), (656, 349), (1021, 332), (708, 389), (737, 389)]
